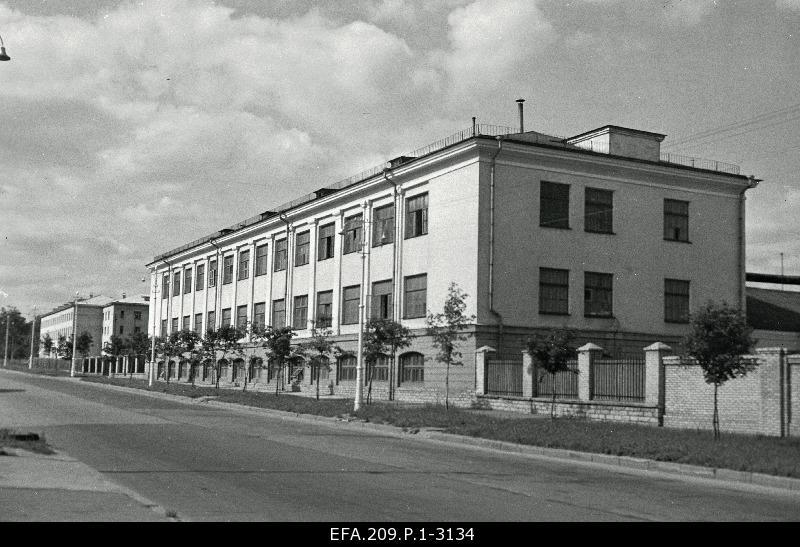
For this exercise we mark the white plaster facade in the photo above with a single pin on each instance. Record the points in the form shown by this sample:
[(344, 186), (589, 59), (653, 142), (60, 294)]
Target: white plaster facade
[(60, 322)]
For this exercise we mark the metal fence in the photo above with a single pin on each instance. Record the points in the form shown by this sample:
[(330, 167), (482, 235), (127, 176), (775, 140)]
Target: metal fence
[(565, 383), (504, 375), (618, 380)]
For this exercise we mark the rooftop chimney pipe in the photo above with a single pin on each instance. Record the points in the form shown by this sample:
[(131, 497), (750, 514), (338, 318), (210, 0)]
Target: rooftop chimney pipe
[(521, 120)]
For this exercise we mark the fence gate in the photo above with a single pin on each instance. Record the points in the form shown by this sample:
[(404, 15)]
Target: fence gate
[(504, 375)]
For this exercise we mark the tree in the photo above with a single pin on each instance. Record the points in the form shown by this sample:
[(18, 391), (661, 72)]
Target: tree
[(64, 347), (278, 342), (718, 338), (139, 344), (188, 341), (19, 333), (221, 343), (552, 353), (446, 329), (321, 348), (84, 344), (384, 336), (47, 344), (115, 346)]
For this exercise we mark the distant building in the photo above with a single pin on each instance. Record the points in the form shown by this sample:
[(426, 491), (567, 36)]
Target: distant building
[(126, 316), (61, 322), (775, 317)]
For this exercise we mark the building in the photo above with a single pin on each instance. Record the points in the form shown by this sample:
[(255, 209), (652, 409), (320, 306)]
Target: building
[(126, 316), (60, 322), (600, 232)]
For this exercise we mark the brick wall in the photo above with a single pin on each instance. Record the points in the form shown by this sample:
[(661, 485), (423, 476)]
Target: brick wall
[(594, 410), (793, 411)]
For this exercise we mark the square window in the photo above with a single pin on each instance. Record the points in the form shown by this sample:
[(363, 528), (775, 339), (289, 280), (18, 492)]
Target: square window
[(598, 294), (553, 205)]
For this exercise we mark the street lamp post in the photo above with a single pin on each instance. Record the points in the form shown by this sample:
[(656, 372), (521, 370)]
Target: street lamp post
[(33, 332), (361, 313), (74, 337), (5, 347)]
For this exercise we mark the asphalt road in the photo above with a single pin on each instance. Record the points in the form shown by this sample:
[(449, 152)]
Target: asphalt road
[(212, 464)]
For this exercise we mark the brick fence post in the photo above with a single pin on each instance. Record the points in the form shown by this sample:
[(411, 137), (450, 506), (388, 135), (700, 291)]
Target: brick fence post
[(480, 368), (654, 377), (771, 379), (528, 370), (586, 356)]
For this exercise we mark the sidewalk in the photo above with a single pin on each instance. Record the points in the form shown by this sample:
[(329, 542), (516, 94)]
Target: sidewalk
[(57, 488)]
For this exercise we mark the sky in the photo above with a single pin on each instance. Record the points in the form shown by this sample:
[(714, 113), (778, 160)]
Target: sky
[(130, 128)]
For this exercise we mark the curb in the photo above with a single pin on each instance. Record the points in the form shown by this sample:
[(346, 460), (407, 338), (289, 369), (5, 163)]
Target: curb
[(626, 462)]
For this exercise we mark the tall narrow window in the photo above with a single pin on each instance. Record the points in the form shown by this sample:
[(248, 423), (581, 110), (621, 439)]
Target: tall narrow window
[(227, 270), (241, 317), (211, 320), (259, 315), (300, 317), (676, 301), (187, 280), (412, 368), (350, 301), (380, 369), (327, 234), (301, 248), (200, 280), (244, 265), (553, 291), (226, 317), (280, 255), (324, 309), (598, 211), (676, 220), (381, 305), (174, 324), (278, 313), (417, 216), (212, 273), (186, 322), (383, 225), (346, 369), (165, 286), (261, 260), (353, 234), (554, 205), (598, 294), (176, 284), (416, 290), (163, 327), (198, 322)]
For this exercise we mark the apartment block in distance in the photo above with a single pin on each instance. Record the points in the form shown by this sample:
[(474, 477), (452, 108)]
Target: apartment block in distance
[(61, 322), (126, 316), (600, 232)]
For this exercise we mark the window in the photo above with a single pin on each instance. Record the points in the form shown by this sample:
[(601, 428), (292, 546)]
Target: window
[(200, 280), (346, 371), (212, 273), (383, 225), (416, 288), (211, 320), (412, 368), (300, 317), (417, 216), (259, 315), (278, 313), (187, 280), (226, 317), (598, 211), (381, 305), (553, 291), (186, 324), (241, 317), (227, 270), (198, 322), (353, 234), (301, 248), (554, 205), (350, 301), (280, 255), (261, 260), (137, 329), (598, 294), (676, 301), (380, 370), (324, 309), (244, 265), (137, 315), (165, 286), (122, 314), (121, 329), (163, 327), (326, 241), (176, 284), (174, 324), (676, 220)]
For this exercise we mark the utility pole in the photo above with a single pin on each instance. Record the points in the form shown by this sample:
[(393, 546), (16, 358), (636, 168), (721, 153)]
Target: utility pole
[(33, 332), (5, 349), (74, 337)]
